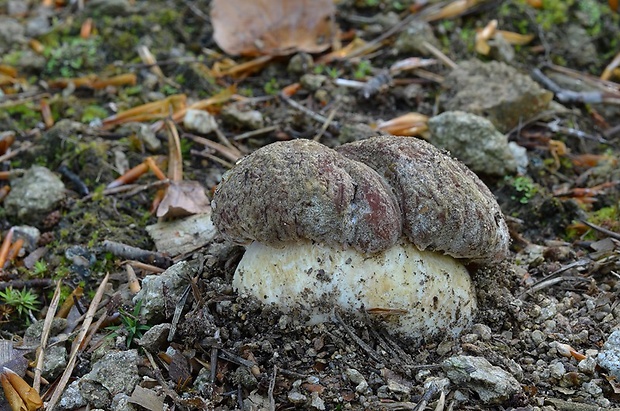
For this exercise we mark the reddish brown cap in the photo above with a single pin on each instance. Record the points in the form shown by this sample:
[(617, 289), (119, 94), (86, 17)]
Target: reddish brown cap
[(445, 206), (301, 189)]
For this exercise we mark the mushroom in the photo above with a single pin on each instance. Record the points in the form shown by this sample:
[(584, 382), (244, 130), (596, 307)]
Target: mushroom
[(378, 225)]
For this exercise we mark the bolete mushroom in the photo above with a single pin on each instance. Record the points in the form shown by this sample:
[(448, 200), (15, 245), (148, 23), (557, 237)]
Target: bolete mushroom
[(378, 224)]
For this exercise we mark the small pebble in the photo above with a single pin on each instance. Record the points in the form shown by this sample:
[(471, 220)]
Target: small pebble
[(592, 388), (199, 121), (587, 365), (482, 330), (296, 397), (557, 370), (537, 336)]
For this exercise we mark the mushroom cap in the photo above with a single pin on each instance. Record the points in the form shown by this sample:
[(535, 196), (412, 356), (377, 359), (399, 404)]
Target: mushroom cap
[(445, 206), (294, 190), (412, 293)]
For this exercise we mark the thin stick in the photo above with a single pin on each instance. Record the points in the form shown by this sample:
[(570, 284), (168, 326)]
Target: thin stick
[(178, 310), (224, 140), (47, 326), (253, 133), (90, 314), (357, 339), (315, 116), (603, 230), (440, 56), (272, 384), (212, 158), (328, 121), (232, 155)]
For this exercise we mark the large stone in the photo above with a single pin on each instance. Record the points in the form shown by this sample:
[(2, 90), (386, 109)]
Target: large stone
[(34, 195), (116, 372), (609, 357), (495, 91), (473, 140), (492, 384), (156, 289)]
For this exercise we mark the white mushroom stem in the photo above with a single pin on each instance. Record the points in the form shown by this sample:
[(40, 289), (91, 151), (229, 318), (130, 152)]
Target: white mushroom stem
[(414, 293)]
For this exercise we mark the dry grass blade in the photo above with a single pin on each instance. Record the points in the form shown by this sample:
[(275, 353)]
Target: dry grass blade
[(273, 27), (221, 97), (454, 9), (609, 70), (150, 111), (47, 325), (232, 155), (175, 157), (516, 39), (90, 314)]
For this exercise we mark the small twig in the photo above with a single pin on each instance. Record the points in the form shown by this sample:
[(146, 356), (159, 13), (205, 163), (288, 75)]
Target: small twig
[(541, 34), (315, 116), (372, 353), (328, 121), (134, 253), (293, 374), (555, 278), (603, 230), (439, 55), (34, 283), (129, 189), (214, 357), (400, 405), (426, 397), (47, 326), (90, 314), (272, 384), (228, 356), (146, 267), (178, 310), (224, 140), (212, 158), (254, 133), (197, 11), (25, 146), (570, 96), (160, 378), (232, 154), (371, 45)]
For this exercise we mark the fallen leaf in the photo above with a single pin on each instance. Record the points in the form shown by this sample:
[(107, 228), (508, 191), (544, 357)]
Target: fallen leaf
[(273, 27), (20, 395), (147, 398), (183, 198)]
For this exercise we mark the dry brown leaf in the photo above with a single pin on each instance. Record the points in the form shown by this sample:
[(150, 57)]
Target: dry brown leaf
[(410, 124), (515, 39), (19, 394), (183, 198), (273, 27), (147, 398)]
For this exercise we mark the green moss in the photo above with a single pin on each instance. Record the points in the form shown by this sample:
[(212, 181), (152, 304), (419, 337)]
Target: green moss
[(524, 188), (554, 12), (590, 13), (165, 17), (25, 115), (93, 112), (74, 58)]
